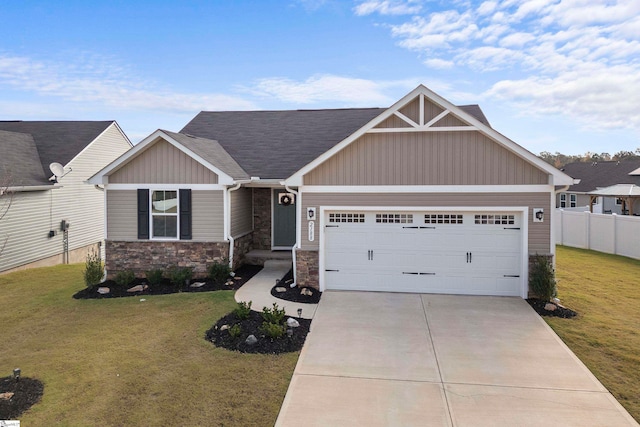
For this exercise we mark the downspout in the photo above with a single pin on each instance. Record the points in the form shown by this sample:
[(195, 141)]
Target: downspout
[(227, 230), (296, 246)]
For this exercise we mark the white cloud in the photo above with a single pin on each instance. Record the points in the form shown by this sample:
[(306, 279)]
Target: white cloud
[(345, 91), (438, 63), (487, 7), (388, 7), (103, 81)]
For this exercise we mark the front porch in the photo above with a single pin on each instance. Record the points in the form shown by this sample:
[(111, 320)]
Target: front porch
[(259, 256)]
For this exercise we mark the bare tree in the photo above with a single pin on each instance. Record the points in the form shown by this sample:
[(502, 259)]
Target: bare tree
[(6, 199)]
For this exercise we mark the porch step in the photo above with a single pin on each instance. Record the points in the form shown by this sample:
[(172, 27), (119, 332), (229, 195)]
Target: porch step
[(259, 257)]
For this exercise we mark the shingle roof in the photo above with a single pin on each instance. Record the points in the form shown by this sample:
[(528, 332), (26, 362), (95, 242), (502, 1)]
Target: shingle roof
[(58, 141), (19, 163), (601, 174), (475, 111), (276, 144), (211, 151)]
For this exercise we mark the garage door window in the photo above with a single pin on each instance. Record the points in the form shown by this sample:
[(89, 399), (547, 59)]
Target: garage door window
[(443, 219), (346, 217), (496, 219), (394, 218)]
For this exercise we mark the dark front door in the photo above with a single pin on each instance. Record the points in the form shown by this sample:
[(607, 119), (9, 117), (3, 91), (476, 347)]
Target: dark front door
[(284, 220)]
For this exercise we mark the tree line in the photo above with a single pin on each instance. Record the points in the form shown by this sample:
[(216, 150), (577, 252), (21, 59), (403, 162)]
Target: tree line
[(558, 160)]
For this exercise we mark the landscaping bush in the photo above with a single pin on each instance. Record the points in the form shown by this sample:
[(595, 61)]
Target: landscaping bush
[(180, 275), (243, 310), (93, 269), (272, 330), (154, 277), (235, 331), (273, 315), (542, 278), (123, 278), (219, 271)]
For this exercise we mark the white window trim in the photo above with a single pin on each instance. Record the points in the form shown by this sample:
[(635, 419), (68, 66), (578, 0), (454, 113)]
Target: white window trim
[(563, 200), (573, 200), (151, 215)]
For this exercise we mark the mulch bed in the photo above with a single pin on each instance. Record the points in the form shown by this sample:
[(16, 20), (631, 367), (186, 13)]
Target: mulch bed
[(242, 275), (293, 294), (27, 392), (250, 326), (560, 311)]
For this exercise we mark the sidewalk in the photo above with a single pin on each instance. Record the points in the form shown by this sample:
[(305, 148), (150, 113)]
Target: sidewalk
[(258, 291)]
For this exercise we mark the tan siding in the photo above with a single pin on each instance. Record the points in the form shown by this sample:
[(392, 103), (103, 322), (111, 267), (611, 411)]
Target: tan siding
[(538, 232), (394, 122), (162, 163), (241, 211), (449, 120), (431, 110), (122, 214), (412, 110), (208, 215), (425, 158)]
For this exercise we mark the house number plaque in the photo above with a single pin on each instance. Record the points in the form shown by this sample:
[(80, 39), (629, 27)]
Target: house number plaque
[(312, 231)]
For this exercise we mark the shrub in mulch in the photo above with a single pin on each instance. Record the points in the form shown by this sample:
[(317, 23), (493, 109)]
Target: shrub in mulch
[(252, 326), (242, 275), (560, 311), (293, 294), (26, 393)]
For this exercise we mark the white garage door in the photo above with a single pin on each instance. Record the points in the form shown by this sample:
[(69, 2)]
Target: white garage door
[(475, 253)]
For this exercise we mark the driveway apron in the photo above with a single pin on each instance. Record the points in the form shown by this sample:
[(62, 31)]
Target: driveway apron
[(393, 359)]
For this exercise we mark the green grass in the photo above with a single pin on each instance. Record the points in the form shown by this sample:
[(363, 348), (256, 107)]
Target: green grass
[(125, 362), (605, 291)]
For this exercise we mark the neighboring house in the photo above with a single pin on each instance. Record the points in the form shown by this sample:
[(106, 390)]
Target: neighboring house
[(32, 227), (596, 176), (423, 196)]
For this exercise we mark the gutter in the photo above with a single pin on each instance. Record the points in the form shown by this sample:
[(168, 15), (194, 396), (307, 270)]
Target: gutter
[(227, 231), (29, 188), (297, 245)]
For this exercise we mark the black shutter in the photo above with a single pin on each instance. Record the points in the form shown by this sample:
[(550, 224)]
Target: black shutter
[(185, 214), (143, 214)]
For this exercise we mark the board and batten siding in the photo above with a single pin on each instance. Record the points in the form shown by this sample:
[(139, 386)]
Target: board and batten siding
[(207, 215), (33, 214), (539, 232), (160, 163), (241, 211), (425, 158)]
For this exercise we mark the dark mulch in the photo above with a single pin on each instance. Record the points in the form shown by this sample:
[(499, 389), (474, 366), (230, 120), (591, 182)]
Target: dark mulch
[(293, 294), (250, 326), (538, 306), (27, 392), (242, 275)]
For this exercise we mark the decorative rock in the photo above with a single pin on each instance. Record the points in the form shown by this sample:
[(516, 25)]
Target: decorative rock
[(237, 278), (224, 327), (197, 285), (138, 288), (288, 281), (103, 290), (6, 396), (229, 283), (292, 323), (306, 292), (550, 307), (555, 300), (280, 289), (251, 340)]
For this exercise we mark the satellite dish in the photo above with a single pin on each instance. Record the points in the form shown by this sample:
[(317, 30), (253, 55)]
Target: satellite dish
[(57, 169)]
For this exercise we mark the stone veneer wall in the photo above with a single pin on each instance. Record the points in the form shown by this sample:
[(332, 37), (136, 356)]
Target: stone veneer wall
[(262, 218), (307, 269), (141, 256), (532, 260), (241, 245)]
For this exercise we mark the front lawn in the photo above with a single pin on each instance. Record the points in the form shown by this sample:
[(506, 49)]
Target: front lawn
[(605, 291), (129, 362)]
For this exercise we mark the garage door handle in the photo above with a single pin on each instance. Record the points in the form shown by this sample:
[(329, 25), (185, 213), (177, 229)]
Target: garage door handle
[(430, 228), (416, 227), (511, 275), (334, 226), (410, 272), (333, 270), (512, 228), (427, 274)]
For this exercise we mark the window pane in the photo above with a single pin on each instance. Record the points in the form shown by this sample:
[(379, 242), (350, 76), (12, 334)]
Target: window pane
[(165, 226), (164, 202)]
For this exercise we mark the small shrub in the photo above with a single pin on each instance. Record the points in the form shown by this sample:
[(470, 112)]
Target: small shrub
[(154, 276), (243, 310), (219, 271), (542, 278), (123, 278), (272, 330), (273, 315), (93, 269), (180, 275), (235, 330)]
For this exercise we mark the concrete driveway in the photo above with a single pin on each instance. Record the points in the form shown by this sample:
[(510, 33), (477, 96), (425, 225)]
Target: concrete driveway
[(387, 359)]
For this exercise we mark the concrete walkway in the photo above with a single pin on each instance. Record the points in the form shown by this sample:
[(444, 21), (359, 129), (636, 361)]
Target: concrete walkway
[(258, 291), (383, 359)]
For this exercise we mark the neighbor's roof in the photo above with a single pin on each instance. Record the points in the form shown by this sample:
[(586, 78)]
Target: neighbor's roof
[(619, 190), (276, 144), (594, 175), (58, 141), (19, 163), (211, 151)]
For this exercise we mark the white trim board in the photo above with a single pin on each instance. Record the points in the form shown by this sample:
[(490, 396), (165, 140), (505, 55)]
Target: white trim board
[(199, 187), (426, 189)]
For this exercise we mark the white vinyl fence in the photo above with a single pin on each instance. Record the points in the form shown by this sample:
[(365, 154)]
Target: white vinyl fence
[(612, 234)]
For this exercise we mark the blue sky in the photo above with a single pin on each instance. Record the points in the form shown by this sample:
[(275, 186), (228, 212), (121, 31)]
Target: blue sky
[(553, 75)]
